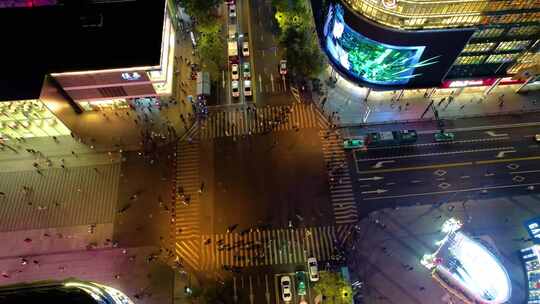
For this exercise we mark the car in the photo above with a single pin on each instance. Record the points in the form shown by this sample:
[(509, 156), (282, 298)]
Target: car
[(286, 293), (301, 283), (235, 88), (537, 137), (234, 71), (247, 88), (246, 70), (232, 10), (232, 33), (283, 67), (354, 143), (444, 136), (245, 49), (313, 269)]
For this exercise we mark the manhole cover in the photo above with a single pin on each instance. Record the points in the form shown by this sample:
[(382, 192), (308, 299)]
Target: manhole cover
[(444, 185), (518, 178), (512, 166), (440, 172)]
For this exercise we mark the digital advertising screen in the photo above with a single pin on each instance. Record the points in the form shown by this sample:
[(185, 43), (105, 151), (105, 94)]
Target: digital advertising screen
[(379, 57)]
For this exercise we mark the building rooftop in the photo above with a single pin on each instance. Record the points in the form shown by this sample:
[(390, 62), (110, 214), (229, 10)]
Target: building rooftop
[(77, 35)]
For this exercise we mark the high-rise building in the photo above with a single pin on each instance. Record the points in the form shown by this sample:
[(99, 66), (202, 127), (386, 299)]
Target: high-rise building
[(419, 43)]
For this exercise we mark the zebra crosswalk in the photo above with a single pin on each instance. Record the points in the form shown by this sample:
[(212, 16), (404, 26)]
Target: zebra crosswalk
[(186, 218), (341, 190), (267, 247), (245, 121)]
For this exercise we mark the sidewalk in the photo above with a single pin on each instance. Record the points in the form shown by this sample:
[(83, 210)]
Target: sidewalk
[(348, 100)]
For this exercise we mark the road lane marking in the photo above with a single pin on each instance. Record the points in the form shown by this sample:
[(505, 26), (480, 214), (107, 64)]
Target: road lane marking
[(450, 165), (525, 172), (465, 141), (381, 163), (378, 191), (493, 134), (447, 191), (481, 128), (505, 160), (374, 178), (438, 154), (501, 154)]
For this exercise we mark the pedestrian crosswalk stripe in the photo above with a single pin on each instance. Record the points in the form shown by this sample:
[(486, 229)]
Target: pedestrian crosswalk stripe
[(341, 191), (266, 247), (241, 121)]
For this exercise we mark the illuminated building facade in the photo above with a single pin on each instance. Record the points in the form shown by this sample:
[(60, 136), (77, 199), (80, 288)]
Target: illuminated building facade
[(468, 269), (88, 55), (482, 39)]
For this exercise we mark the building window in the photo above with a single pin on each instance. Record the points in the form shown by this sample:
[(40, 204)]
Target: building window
[(463, 60), (500, 58), (479, 47), (513, 45), (488, 33), (524, 30)]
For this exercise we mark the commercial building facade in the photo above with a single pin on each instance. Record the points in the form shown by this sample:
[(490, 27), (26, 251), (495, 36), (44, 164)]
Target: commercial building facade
[(391, 44), (80, 56)]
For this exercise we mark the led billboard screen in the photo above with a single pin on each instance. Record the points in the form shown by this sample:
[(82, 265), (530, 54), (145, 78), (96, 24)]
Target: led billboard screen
[(380, 57)]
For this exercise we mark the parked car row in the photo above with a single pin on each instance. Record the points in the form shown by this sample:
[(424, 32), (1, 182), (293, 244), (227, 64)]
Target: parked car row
[(301, 284)]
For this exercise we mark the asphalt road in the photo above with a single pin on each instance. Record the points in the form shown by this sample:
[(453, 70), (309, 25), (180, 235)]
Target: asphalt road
[(272, 88), (270, 179), (478, 163)]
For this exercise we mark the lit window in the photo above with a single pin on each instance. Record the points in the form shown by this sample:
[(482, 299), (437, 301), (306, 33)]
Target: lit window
[(500, 58), (478, 47), (524, 30), (463, 60), (513, 45), (488, 33)]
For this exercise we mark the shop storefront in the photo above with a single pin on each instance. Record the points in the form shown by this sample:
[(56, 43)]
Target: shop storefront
[(118, 88), (28, 118), (531, 262)]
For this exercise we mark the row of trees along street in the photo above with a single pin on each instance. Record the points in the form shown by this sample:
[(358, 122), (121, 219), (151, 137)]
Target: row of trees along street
[(210, 39), (298, 37)]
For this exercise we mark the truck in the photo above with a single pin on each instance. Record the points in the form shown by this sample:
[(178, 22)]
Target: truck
[(391, 138), (233, 51)]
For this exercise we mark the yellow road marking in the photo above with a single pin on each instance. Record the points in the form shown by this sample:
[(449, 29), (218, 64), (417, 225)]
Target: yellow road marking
[(504, 160), (417, 168), (450, 165)]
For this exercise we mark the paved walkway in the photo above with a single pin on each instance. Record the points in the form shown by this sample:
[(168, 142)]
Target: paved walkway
[(349, 101), (58, 197)]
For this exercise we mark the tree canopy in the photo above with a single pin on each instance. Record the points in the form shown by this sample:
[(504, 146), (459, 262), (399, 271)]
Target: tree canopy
[(333, 288)]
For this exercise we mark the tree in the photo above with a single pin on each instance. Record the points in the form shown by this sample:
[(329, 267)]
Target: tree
[(294, 20), (211, 47), (333, 288), (201, 10)]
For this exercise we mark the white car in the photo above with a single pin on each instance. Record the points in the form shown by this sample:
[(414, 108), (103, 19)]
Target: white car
[(232, 10), (313, 269), (234, 71), (537, 137), (247, 88), (286, 292), (245, 49), (235, 88)]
